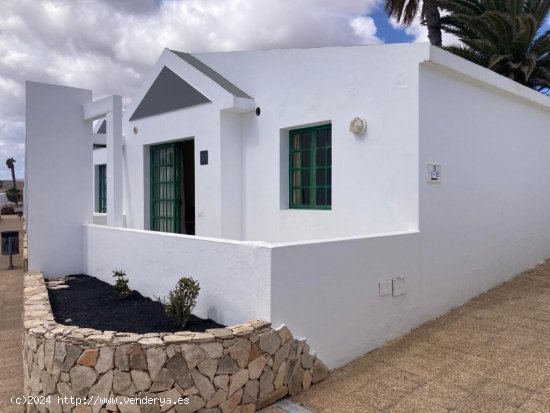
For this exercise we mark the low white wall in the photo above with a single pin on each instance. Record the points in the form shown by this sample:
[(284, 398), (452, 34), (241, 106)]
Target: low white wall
[(328, 292), (234, 276)]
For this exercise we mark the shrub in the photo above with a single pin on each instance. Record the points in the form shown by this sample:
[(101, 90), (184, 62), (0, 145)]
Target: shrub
[(182, 300), (14, 195), (121, 284)]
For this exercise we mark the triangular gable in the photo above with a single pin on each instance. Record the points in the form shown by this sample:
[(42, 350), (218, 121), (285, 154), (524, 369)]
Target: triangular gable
[(102, 127), (168, 92)]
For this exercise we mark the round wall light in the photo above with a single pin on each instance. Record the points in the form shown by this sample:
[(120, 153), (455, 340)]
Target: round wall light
[(135, 130), (358, 126)]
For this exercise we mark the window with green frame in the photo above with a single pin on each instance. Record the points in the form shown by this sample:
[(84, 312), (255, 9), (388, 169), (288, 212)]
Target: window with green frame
[(102, 188), (310, 171)]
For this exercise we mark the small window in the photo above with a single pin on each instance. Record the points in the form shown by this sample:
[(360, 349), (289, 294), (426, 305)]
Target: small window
[(310, 168), (101, 189)]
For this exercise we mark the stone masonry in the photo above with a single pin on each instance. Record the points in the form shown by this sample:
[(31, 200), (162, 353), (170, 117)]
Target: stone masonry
[(237, 369)]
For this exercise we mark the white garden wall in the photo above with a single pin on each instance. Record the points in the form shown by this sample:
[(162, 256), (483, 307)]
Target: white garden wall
[(234, 276)]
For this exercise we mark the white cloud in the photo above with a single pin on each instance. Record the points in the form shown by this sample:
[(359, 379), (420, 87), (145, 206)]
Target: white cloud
[(107, 46)]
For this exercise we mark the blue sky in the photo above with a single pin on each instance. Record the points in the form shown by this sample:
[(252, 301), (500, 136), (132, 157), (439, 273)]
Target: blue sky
[(108, 46)]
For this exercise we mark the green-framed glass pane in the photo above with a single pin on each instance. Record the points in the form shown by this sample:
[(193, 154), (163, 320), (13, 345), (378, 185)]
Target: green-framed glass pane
[(310, 167)]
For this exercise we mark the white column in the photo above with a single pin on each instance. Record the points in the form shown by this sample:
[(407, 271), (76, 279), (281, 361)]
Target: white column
[(114, 163)]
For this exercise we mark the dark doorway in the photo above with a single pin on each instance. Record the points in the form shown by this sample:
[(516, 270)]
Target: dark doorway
[(173, 187)]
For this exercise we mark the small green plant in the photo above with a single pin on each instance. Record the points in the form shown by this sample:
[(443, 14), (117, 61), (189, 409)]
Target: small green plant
[(182, 300), (121, 284)]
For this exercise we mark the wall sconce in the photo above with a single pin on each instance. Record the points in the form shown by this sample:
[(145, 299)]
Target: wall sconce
[(358, 126)]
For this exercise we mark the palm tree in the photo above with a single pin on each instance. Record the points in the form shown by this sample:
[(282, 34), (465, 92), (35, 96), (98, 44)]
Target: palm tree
[(506, 36), (10, 163), (405, 11)]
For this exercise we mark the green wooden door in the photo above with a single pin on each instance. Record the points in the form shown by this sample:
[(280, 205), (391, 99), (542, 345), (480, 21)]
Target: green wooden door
[(165, 188)]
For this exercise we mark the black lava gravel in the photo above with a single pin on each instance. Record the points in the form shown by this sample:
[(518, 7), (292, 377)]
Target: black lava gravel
[(92, 303)]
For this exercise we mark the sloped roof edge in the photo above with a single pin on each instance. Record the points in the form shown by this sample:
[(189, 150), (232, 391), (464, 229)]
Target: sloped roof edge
[(212, 74)]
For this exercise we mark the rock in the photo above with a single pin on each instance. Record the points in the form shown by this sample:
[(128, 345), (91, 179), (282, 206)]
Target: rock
[(73, 352), (237, 380), (206, 389), (190, 391), (203, 338), (82, 378), (280, 377), (106, 360), (122, 384), (255, 352), (49, 350), (88, 357), (270, 342), (121, 358), (245, 408), (284, 334), (176, 339), (251, 391), (320, 371), (141, 380), (307, 380), (208, 367), (212, 410), (242, 331), (180, 371), (125, 406), (222, 382), (164, 381), (240, 352), (47, 382), (266, 383), (214, 350), (231, 404), (307, 361), (220, 332), (291, 363), (59, 357), (219, 397), (137, 359), (296, 380), (195, 404), (272, 397), (227, 365), (170, 397), (150, 341), (281, 355), (102, 388), (256, 366), (40, 356), (155, 360), (193, 355), (82, 408), (64, 376)]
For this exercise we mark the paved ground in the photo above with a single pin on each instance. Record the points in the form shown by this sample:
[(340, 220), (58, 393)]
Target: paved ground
[(490, 355), (11, 310)]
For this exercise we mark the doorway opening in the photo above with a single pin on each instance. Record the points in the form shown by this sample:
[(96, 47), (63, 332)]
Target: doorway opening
[(173, 187)]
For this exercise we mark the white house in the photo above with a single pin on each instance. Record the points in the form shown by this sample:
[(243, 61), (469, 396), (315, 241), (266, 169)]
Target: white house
[(241, 170)]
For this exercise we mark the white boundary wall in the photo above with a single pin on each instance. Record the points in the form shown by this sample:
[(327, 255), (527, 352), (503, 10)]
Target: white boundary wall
[(234, 276)]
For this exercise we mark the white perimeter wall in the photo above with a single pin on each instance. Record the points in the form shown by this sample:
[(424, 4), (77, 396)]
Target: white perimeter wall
[(234, 276), (58, 150)]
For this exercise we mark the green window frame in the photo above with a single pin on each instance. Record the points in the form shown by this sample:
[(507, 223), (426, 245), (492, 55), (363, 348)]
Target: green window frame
[(102, 189), (310, 167)]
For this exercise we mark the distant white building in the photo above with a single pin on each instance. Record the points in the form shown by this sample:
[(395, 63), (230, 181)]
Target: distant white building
[(250, 171)]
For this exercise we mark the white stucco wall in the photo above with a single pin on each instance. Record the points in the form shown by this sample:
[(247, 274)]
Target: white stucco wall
[(328, 292), (488, 218), (58, 150), (234, 276), (374, 177)]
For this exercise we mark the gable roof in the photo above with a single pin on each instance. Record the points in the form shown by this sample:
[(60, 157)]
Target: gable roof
[(168, 92), (212, 74)]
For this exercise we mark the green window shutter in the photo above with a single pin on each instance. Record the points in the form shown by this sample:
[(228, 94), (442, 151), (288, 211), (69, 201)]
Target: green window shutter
[(102, 188), (310, 172)]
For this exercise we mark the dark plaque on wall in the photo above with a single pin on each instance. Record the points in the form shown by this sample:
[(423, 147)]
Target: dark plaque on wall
[(204, 157)]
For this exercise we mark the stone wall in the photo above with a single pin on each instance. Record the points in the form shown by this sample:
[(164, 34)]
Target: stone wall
[(238, 369)]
